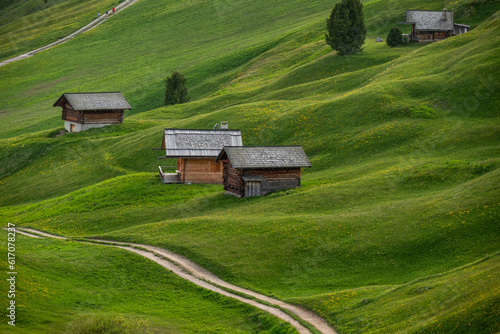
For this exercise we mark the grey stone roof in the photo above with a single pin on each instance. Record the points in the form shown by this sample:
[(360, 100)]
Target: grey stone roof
[(266, 156), (430, 20), (94, 101), (179, 143)]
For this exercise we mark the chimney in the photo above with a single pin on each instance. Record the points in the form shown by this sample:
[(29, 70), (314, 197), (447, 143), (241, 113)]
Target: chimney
[(224, 125), (445, 16)]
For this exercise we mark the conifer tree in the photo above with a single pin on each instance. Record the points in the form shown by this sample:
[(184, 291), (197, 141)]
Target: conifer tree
[(346, 27), (175, 89), (395, 37)]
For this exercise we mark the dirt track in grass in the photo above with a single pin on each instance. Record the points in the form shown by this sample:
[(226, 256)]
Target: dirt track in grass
[(184, 268)]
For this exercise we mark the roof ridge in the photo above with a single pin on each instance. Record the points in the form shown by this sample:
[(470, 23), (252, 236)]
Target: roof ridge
[(94, 92), (266, 146), (427, 10), (202, 129)]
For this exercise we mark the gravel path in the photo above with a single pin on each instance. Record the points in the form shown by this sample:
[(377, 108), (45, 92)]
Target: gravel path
[(88, 27), (198, 275)]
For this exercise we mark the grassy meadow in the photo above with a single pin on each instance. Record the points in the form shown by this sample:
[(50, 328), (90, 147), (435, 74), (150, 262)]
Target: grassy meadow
[(395, 228), (61, 284), (29, 24)]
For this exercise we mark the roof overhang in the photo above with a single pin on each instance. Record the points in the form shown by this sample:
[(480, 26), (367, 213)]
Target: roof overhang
[(94, 101)]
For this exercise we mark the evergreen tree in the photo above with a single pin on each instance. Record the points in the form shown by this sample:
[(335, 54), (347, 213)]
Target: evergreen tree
[(175, 89), (346, 27), (395, 37)]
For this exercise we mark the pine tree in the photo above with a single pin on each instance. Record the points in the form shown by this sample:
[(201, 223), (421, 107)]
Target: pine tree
[(175, 89), (395, 37), (346, 27)]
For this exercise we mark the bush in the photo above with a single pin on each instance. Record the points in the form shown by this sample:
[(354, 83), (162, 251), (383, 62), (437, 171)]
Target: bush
[(395, 37), (106, 324)]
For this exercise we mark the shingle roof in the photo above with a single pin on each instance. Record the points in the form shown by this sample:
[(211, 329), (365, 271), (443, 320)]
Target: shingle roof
[(266, 156), (94, 101), (430, 20), (180, 143)]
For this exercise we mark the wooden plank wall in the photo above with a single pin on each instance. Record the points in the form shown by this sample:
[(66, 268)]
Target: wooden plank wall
[(233, 179), (202, 171), (273, 179), (102, 117), (276, 179), (92, 117), (69, 114)]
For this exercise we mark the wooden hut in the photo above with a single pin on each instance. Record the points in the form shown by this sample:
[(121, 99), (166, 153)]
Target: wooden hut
[(256, 170), (83, 111), (195, 151), (430, 26)]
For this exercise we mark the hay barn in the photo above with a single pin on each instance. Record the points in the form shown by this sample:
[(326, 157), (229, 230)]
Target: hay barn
[(83, 111), (195, 151), (257, 170)]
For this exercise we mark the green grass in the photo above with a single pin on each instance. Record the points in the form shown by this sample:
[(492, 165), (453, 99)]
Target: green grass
[(465, 300), (78, 279), (31, 24), (400, 208)]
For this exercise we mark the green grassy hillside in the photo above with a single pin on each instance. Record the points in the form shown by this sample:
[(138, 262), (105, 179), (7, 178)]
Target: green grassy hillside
[(394, 229), (29, 24), (62, 284)]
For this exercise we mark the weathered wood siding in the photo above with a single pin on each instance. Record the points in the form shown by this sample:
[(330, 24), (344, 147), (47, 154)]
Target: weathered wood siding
[(102, 117), (272, 180), (200, 170), (276, 179), (92, 117), (431, 36), (68, 114), (233, 179)]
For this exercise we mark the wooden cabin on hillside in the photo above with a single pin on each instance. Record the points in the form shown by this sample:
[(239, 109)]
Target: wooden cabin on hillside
[(195, 151), (83, 111), (430, 26), (256, 170)]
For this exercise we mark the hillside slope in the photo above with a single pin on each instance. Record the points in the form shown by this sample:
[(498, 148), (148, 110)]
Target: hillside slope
[(394, 229), (29, 24)]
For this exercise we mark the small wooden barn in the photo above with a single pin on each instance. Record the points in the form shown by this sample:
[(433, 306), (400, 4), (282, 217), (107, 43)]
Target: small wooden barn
[(430, 26), (83, 111), (195, 151), (256, 170)]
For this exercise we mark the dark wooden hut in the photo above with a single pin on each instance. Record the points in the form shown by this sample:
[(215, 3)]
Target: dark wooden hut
[(430, 26), (195, 151), (256, 170), (82, 111)]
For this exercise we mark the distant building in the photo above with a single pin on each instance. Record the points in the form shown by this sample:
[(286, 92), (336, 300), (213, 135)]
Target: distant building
[(256, 170), (83, 111), (430, 26), (195, 151)]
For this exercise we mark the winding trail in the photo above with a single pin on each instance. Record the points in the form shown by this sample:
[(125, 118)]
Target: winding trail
[(184, 268), (88, 27)]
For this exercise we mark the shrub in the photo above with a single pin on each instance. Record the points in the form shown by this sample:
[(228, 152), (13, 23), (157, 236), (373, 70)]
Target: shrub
[(395, 37)]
